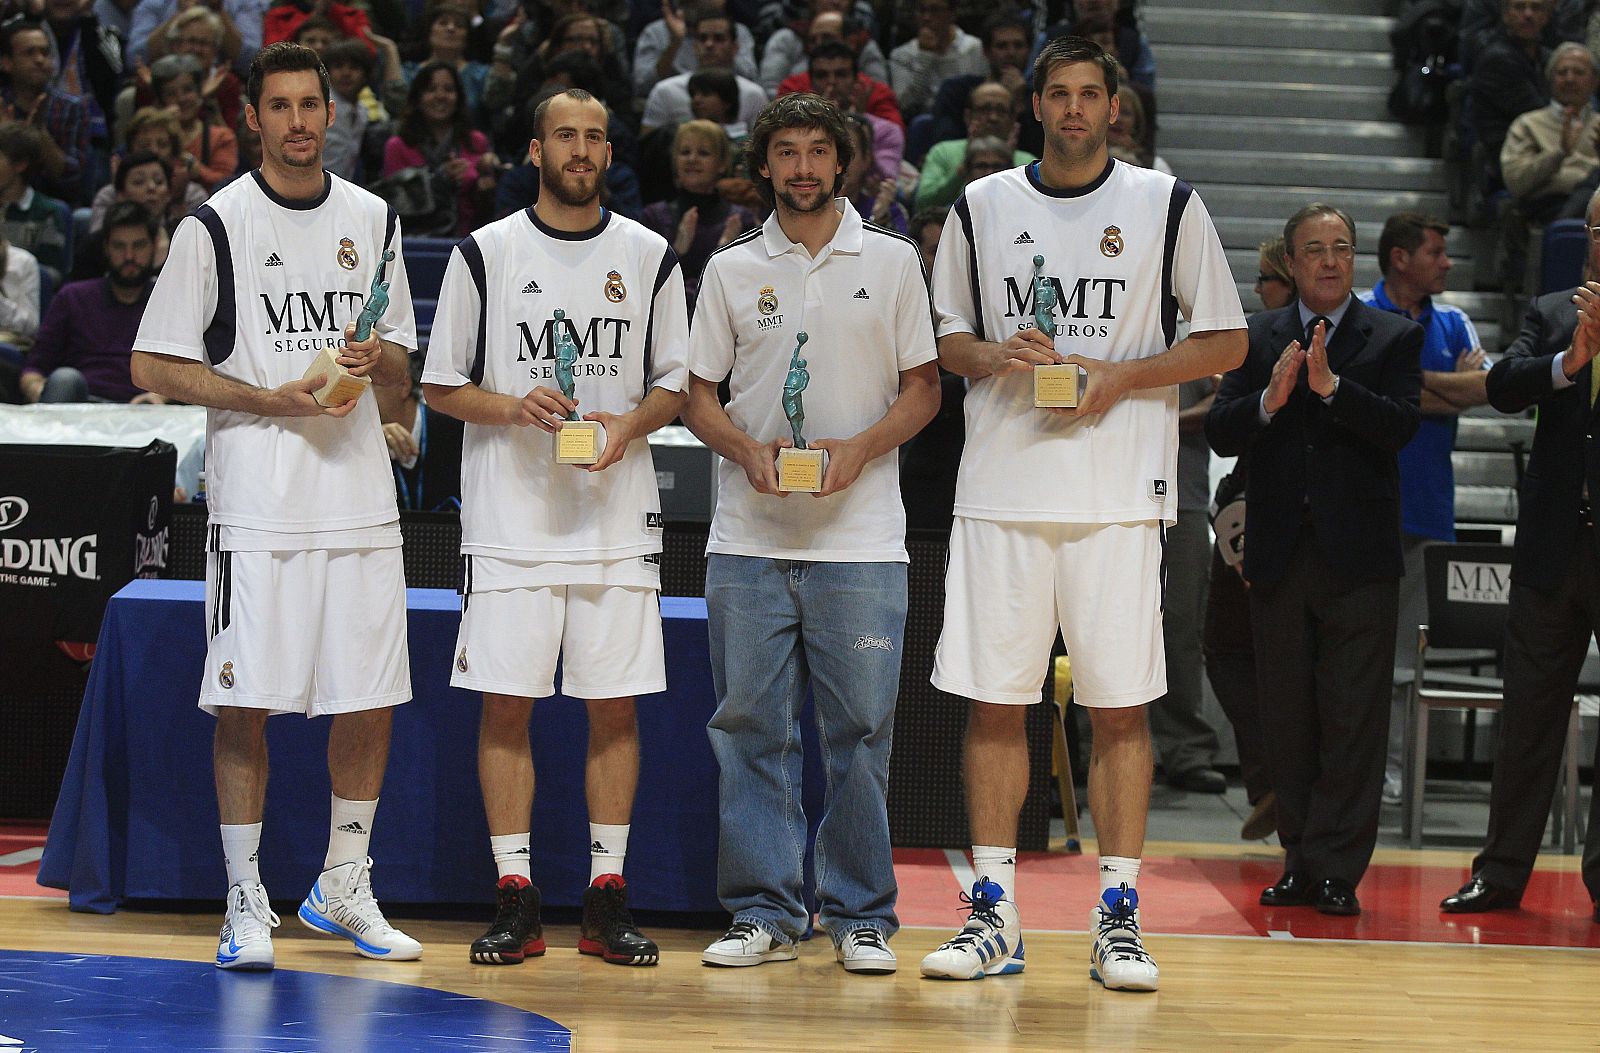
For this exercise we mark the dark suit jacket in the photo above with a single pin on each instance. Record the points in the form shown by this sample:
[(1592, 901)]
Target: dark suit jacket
[(1338, 459), (1565, 453)]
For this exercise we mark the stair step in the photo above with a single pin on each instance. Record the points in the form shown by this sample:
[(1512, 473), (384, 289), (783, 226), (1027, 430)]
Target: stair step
[(1290, 65), (1287, 134), (1246, 99), (1475, 468), (1332, 7), (1236, 28), (1494, 434), (1242, 199), (1333, 171), (1486, 504)]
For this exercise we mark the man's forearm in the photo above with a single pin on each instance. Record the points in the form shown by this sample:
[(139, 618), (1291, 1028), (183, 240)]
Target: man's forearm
[(1199, 355), (710, 423), (470, 403), (658, 409), (965, 355), (195, 383), (1462, 390), (393, 368), (32, 386), (908, 414)]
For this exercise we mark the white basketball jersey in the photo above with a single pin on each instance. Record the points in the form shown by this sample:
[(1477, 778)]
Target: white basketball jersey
[(621, 288), (256, 286), (1125, 256)]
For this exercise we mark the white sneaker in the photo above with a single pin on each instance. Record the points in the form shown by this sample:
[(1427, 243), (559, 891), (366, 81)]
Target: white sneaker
[(1392, 787), (245, 941), (1117, 957), (864, 950), (989, 944), (746, 943), (341, 904)]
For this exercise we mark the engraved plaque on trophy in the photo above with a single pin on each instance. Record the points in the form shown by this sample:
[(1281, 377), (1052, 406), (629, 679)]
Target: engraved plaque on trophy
[(342, 386), (1054, 386), (800, 467), (578, 441)]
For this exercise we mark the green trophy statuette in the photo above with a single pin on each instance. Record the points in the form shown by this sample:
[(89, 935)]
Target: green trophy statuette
[(1054, 386), (342, 387), (800, 467), (578, 441)]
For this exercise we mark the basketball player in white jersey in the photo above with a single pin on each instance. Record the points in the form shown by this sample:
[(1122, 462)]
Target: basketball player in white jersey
[(1059, 513), (560, 559), (305, 589)]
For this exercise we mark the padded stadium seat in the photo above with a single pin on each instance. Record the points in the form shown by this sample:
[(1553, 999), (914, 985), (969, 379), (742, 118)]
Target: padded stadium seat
[(425, 262), (1566, 246)]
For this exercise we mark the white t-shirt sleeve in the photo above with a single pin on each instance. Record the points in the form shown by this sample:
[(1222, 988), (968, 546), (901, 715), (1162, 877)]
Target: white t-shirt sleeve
[(913, 328), (669, 329), (184, 299), (952, 281), (453, 343), (399, 322), (711, 334), (657, 108), (1201, 278)]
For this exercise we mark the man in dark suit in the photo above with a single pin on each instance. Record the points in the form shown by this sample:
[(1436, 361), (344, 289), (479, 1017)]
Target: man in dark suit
[(1324, 402), (1555, 584)]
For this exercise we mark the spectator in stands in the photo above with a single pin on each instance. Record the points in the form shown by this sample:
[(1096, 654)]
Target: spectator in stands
[(86, 339), (249, 148), (1508, 80), (27, 95), (872, 195), (788, 52), (660, 53), (835, 76), (940, 50), (697, 220), (992, 114), (1414, 262), (88, 59), (714, 96), (198, 31), (446, 28), (1104, 22), (155, 132), (1551, 151), (176, 80), (38, 223), (318, 32), (927, 227), (774, 15), (436, 135), (668, 102), (1274, 281), (1481, 21), (985, 155), (591, 35), (282, 21), (1006, 48), (19, 300), (349, 66), (241, 29), (866, 96), (1129, 138)]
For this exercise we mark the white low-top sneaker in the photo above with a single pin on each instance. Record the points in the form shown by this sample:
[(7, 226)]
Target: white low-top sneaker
[(245, 941), (746, 943), (864, 950), (1117, 957), (341, 904), (989, 944)]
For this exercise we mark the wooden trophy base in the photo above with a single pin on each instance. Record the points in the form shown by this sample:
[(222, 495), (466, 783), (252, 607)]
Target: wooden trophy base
[(1056, 386), (800, 471), (579, 442), (341, 387)]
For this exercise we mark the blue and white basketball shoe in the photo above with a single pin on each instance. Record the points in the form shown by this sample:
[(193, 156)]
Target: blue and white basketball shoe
[(245, 941), (989, 944), (341, 904)]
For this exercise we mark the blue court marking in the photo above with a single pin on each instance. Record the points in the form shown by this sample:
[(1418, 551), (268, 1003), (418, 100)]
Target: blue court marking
[(51, 1002)]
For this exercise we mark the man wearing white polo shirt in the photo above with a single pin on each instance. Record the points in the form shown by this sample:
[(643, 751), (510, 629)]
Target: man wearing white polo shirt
[(808, 588)]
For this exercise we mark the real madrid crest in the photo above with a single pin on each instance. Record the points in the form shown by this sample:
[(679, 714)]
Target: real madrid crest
[(768, 301), (616, 292), (1111, 242), (461, 660), (225, 678), (347, 254)]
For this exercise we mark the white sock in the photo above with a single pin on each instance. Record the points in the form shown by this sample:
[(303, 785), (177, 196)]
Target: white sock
[(241, 846), (608, 847), (512, 855), (998, 865), (1116, 871), (349, 832)]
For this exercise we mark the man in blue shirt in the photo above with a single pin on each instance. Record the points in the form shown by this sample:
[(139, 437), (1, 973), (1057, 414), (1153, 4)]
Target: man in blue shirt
[(1414, 263)]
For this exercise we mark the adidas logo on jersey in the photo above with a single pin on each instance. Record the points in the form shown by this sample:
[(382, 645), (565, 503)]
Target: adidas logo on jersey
[(353, 828), (861, 294), (531, 287), (274, 260), (1023, 239)]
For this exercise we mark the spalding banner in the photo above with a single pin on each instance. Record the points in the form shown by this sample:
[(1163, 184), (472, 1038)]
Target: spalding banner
[(76, 524)]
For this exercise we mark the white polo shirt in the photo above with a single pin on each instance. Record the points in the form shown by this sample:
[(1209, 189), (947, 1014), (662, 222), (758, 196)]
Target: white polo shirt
[(863, 303)]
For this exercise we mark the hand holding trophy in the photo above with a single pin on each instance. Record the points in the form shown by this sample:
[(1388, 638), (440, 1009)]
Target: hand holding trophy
[(1054, 386), (578, 441), (800, 468), (343, 386)]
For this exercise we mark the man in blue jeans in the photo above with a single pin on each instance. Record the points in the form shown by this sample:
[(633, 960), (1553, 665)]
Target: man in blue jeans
[(808, 589)]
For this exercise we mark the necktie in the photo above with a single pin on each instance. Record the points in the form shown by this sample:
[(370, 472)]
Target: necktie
[(1311, 330)]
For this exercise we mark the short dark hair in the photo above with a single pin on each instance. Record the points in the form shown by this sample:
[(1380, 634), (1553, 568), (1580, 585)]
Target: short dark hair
[(835, 49), (348, 52), (707, 13), (35, 152), (1406, 231), (718, 81), (283, 57), (801, 109), (1064, 51), (9, 31), (1007, 19), (317, 22), (925, 216), (578, 66), (134, 160), (576, 95), (1311, 211), (129, 214)]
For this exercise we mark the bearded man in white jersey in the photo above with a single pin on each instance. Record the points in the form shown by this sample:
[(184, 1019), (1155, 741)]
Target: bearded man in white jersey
[(1059, 513), (560, 559), (305, 587)]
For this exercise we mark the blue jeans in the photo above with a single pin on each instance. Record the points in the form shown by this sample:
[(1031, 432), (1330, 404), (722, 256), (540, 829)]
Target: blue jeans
[(776, 627)]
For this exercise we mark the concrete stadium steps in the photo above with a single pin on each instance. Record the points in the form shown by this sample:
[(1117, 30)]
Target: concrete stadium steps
[(1281, 202), (1249, 99), (1288, 65), (1335, 7), (1330, 170), (1286, 135), (1269, 26)]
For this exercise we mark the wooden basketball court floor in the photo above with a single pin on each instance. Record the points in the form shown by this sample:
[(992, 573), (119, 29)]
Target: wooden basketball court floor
[(1235, 976)]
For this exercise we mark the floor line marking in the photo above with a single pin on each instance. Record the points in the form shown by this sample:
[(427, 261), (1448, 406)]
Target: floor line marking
[(21, 856), (965, 876)]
